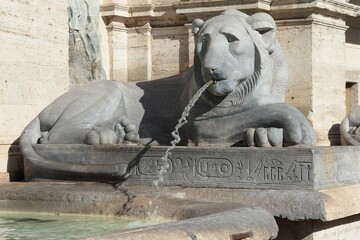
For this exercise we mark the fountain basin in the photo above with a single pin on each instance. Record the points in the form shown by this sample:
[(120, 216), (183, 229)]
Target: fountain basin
[(30, 225), (299, 213), (311, 168), (177, 215)]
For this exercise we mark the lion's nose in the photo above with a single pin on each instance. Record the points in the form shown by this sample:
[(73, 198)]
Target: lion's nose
[(212, 71)]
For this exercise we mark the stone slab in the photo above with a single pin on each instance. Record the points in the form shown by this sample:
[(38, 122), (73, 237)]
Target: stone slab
[(246, 168), (242, 223), (100, 198), (300, 214)]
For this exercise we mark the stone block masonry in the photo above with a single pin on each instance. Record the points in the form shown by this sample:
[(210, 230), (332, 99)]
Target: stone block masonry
[(33, 64)]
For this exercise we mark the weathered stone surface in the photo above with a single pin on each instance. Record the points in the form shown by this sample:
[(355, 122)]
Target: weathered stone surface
[(242, 223), (261, 168), (85, 57), (301, 214), (209, 219), (176, 202)]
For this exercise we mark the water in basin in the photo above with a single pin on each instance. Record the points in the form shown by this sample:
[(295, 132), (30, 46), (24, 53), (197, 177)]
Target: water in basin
[(26, 226)]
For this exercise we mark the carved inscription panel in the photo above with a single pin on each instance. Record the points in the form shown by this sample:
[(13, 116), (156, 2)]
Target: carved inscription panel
[(229, 169)]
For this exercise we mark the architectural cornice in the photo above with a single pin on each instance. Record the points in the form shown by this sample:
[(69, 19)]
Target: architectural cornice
[(180, 13), (282, 9), (315, 19), (114, 9), (204, 8)]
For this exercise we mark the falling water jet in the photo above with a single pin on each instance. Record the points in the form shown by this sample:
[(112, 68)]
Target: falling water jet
[(181, 122)]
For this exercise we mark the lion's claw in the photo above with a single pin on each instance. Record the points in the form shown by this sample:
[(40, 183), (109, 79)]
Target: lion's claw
[(263, 137), (100, 135)]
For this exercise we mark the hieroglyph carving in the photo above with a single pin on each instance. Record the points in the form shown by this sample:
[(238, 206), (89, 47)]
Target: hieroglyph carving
[(231, 170)]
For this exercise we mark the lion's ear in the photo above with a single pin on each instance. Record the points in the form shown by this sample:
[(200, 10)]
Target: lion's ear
[(265, 25), (197, 24)]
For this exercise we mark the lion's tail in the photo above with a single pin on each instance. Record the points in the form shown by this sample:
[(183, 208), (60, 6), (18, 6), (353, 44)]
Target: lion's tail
[(29, 136), (36, 166)]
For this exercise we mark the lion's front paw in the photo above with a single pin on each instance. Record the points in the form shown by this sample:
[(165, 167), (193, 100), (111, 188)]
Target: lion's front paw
[(263, 137), (100, 135), (122, 132), (126, 131)]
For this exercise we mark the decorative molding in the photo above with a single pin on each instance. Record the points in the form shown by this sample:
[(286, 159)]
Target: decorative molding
[(314, 19), (116, 26), (114, 9), (180, 13), (283, 9)]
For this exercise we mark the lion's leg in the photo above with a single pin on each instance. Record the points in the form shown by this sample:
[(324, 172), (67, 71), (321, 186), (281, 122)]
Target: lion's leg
[(115, 131), (284, 126), (268, 125), (99, 114)]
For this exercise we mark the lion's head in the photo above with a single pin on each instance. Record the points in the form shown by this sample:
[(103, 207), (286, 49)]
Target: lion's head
[(240, 55)]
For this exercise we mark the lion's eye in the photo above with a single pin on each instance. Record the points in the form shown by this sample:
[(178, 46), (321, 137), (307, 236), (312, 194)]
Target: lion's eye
[(202, 47), (230, 38)]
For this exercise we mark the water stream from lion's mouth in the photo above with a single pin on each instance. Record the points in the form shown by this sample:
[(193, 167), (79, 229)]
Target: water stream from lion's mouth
[(181, 122)]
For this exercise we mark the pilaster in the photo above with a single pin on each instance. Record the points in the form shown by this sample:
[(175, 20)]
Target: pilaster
[(315, 51), (139, 53), (118, 48)]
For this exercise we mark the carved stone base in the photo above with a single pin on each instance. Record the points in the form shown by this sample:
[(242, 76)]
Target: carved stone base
[(252, 168)]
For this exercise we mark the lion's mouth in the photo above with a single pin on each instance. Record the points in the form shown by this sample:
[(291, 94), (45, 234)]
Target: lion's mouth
[(215, 78), (226, 81)]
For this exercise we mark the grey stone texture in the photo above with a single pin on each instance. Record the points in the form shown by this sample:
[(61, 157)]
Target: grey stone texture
[(84, 42), (242, 223), (242, 107), (244, 168)]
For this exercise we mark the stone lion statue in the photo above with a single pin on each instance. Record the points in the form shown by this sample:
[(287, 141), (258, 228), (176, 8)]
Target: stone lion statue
[(243, 106)]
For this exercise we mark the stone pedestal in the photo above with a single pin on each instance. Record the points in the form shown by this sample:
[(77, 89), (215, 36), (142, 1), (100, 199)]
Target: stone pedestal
[(241, 168), (312, 192)]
